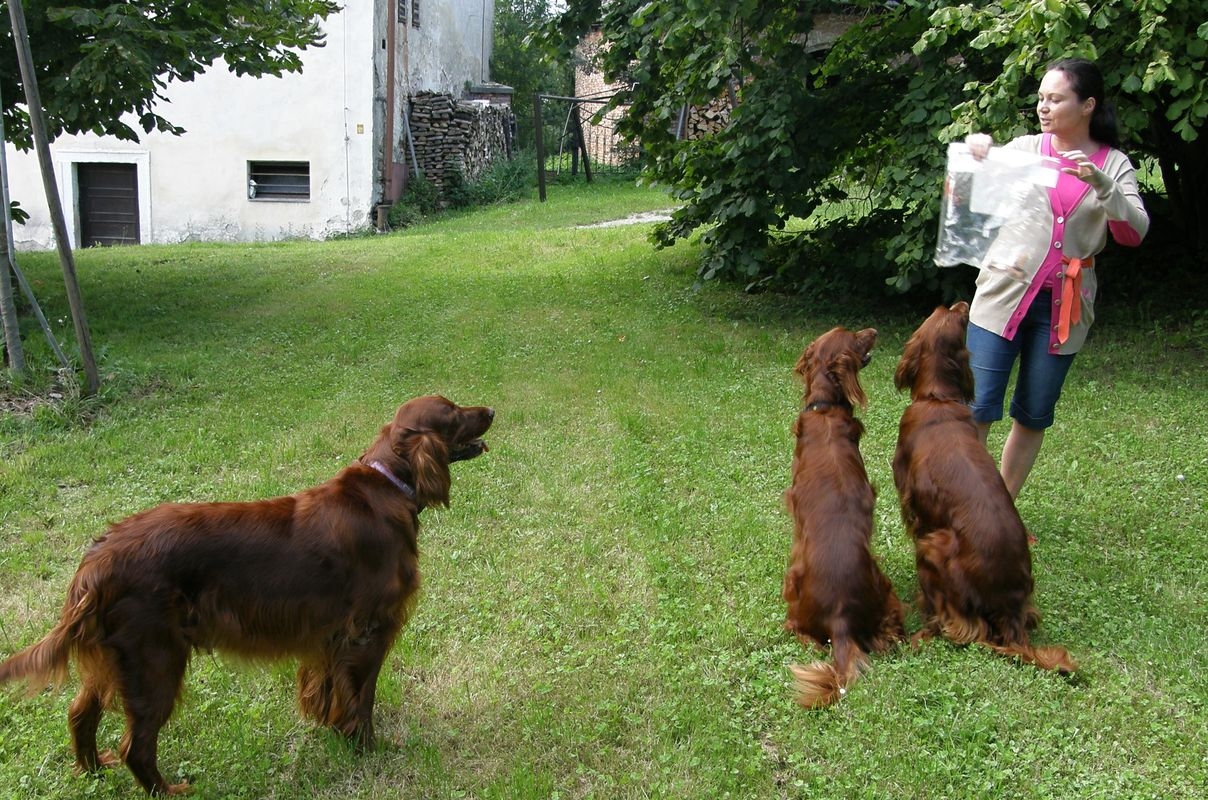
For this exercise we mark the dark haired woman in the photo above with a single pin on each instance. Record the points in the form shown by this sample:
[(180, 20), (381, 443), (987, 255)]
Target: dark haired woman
[(1042, 318)]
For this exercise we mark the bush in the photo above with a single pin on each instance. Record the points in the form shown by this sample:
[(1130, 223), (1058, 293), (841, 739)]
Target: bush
[(418, 201), (505, 181)]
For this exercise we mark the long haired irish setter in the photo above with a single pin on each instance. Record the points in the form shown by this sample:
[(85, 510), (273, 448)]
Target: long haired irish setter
[(836, 592), (326, 576), (971, 548)]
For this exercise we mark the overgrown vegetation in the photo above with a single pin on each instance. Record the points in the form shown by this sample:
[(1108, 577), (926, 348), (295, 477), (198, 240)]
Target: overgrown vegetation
[(505, 181), (601, 614), (855, 115)]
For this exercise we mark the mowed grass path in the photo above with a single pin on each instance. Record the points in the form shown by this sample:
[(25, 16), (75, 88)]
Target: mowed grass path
[(601, 613)]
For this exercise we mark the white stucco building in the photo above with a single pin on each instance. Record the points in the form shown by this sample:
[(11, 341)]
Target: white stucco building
[(304, 155)]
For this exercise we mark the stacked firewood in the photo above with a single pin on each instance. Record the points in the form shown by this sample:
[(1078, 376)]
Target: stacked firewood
[(705, 120), (456, 135)]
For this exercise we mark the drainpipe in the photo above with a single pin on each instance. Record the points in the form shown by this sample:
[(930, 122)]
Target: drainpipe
[(388, 188)]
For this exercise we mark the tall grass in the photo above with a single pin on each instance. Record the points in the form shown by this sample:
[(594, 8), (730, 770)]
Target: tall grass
[(601, 614)]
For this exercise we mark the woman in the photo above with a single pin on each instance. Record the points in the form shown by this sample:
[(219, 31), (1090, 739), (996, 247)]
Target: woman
[(1042, 320)]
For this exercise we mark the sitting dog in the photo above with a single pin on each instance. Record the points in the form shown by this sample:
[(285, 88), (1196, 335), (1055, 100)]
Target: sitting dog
[(835, 591), (326, 576), (971, 548)]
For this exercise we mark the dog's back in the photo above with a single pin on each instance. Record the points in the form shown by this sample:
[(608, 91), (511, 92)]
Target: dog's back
[(835, 591), (971, 550)]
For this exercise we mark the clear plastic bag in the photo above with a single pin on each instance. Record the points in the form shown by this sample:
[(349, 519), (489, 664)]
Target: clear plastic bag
[(994, 210)]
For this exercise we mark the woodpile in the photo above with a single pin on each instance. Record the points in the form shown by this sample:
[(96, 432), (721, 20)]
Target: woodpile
[(705, 120), (452, 135)]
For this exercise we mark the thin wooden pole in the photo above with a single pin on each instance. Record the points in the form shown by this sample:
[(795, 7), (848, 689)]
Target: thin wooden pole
[(581, 141), (8, 307), (37, 122), (539, 141)]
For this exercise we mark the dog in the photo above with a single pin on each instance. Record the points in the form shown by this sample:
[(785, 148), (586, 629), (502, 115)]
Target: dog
[(971, 547), (326, 576), (835, 591)]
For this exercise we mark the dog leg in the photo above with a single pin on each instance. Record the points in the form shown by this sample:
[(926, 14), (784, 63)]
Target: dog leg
[(83, 718), (151, 677), (360, 676), (339, 694), (893, 622), (365, 696)]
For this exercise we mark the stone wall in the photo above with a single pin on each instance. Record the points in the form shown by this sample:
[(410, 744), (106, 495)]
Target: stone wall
[(695, 121), (450, 134), (603, 144)]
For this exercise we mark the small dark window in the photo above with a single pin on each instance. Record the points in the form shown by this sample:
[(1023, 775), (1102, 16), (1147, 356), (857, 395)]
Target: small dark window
[(278, 180), (414, 13), (401, 19)]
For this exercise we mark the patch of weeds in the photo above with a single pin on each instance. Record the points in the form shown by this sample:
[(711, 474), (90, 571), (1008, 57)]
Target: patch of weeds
[(420, 200), (50, 397), (505, 181)]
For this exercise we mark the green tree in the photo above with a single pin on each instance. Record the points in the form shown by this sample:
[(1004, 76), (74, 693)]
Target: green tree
[(857, 129), (519, 63), (99, 61)]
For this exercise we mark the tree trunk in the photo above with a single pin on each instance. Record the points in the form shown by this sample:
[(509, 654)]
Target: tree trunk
[(1184, 168), (37, 123)]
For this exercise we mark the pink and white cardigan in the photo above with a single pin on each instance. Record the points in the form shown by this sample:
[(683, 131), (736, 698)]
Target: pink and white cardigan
[(1083, 214)]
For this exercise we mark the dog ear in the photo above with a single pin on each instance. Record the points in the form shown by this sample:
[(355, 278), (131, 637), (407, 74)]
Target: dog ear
[(845, 371), (908, 365), (425, 452), (803, 363), (965, 373)]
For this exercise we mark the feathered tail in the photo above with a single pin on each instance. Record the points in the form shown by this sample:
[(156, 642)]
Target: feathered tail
[(821, 683), (1052, 658), (46, 663)]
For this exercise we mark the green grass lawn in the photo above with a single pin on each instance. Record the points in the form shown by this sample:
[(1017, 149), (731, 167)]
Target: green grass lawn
[(601, 613)]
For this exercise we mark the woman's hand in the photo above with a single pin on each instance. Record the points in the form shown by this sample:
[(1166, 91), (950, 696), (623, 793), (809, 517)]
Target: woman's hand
[(979, 145), (1083, 169)]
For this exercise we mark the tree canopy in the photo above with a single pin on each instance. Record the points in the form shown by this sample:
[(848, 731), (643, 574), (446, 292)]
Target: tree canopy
[(99, 61), (850, 134), (519, 63)]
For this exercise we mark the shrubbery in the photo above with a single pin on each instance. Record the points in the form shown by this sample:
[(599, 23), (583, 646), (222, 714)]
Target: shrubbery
[(503, 182)]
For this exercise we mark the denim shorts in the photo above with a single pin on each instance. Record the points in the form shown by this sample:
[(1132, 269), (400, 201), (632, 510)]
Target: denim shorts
[(1041, 373)]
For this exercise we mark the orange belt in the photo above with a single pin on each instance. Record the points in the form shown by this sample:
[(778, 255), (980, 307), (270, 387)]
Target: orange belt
[(1071, 295)]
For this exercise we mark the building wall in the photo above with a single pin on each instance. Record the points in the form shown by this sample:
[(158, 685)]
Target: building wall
[(451, 46), (334, 115), (195, 186)]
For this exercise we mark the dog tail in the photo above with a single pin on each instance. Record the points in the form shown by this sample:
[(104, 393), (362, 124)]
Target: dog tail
[(46, 663), (822, 684), (1053, 658)]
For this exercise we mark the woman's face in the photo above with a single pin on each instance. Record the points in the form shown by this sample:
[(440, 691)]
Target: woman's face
[(1059, 109)]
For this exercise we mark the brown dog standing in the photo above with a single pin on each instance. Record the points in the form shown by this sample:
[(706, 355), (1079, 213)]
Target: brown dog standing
[(326, 576)]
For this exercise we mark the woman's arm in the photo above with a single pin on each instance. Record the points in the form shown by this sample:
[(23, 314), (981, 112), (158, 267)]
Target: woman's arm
[(1127, 220)]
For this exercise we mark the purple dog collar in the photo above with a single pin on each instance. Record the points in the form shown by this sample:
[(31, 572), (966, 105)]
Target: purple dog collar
[(402, 487)]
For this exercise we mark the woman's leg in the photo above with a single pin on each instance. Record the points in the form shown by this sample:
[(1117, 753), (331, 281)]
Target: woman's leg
[(1041, 377), (991, 358), (1019, 455)]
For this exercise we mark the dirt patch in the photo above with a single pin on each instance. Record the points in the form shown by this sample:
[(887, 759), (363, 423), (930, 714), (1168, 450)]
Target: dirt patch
[(633, 219)]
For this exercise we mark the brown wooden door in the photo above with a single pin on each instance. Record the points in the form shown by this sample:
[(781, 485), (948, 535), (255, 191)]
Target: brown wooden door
[(108, 204)]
